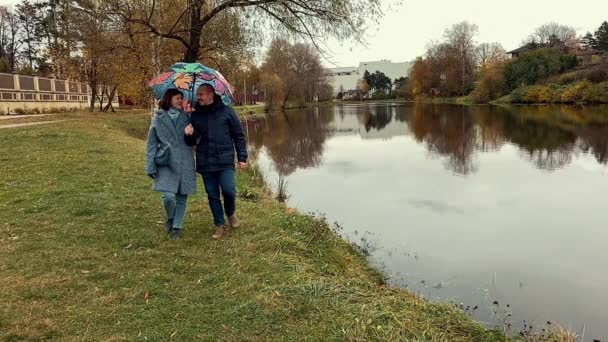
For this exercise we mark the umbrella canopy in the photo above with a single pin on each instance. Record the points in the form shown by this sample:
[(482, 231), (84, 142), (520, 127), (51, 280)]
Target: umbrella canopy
[(187, 77)]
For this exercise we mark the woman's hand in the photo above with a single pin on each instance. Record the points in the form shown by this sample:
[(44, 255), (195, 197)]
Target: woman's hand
[(189, 130), (242, 165)]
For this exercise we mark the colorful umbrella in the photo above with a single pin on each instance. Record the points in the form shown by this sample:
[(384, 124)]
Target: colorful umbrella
[(187, 77)]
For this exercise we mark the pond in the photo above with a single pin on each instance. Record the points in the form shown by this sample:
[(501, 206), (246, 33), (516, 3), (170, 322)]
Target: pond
[(502, 209)]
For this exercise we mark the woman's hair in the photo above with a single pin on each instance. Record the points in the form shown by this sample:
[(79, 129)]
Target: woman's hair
[(165, 102)]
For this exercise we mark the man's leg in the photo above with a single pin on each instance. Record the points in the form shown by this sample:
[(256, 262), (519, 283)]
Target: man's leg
[(228, 185), (212, 187)]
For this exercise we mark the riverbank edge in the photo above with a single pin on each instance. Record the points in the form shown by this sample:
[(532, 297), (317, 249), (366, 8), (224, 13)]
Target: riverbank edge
[(325, 270)]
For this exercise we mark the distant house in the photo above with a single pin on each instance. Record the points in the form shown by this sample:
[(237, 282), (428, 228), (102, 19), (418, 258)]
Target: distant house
[(592, 57), (517, 52)]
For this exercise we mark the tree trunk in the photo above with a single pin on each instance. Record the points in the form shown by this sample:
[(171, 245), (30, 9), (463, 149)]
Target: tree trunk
[(196, 27), (92, 75), (110, 99)]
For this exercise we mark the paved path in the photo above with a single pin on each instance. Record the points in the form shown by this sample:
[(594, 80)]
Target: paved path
[(8, 117), (29, 124)]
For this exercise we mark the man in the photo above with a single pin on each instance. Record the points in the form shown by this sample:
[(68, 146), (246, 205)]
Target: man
[(216, 130)]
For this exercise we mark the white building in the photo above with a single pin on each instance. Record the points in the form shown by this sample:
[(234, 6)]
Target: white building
[(343, 79)]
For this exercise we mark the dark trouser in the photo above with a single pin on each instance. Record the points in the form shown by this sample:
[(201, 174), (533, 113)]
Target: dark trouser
[(224, 181)]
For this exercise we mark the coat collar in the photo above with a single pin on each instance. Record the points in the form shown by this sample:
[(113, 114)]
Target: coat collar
[(166, 120)]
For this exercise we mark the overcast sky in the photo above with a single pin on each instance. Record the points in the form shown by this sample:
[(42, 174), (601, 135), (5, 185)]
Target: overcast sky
[(405, 30)]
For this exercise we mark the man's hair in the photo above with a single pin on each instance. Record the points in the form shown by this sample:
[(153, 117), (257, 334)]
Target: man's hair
[(165, 102), (208, 88)]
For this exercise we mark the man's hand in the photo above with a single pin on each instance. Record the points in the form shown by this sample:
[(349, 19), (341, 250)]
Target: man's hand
[(189, 130), (242, 165)]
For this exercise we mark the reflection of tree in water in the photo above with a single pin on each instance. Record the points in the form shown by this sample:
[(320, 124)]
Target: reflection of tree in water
[(446, 131), (548, 147), (293, 140), (491, 131), (594, 139), (376, 117), (296, 140)]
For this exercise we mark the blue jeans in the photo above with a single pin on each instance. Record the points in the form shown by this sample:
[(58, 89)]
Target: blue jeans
[(214, 182), (175, 208)]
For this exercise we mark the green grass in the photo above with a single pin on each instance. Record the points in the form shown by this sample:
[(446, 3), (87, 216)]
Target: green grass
[(83, 256)]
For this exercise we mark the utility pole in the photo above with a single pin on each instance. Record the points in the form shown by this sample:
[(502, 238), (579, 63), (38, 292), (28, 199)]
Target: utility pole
[(245, 87)]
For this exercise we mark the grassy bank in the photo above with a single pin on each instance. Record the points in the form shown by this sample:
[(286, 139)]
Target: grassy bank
[(462, 100), (83, 256), (250, 111), (582, 92)]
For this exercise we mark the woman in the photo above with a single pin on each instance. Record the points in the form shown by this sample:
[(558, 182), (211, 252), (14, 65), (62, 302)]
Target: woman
[(174, 174)]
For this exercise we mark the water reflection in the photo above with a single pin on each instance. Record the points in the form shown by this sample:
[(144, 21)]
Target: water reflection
[(459, 188), (447, 133), (292, 140), (548, 137)]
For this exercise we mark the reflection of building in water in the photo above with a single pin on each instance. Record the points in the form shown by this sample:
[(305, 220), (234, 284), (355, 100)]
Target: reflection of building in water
[(373, 122), (344, 79)]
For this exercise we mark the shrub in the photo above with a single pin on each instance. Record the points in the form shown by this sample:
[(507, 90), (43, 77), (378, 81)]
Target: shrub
[(538, 94), (598, 93), (535, 65), (575, 92), (491, 84), (19, 111), (568, 78), (596, 76)]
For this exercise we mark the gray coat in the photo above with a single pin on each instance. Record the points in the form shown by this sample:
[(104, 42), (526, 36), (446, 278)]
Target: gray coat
[(180, 175)]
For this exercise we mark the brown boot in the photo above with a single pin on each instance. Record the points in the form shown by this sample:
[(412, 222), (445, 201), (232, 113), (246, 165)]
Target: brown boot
[(220, 232), (234, 222)]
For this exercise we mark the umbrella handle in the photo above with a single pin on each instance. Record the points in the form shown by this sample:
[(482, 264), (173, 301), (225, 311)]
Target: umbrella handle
[(192, 92)]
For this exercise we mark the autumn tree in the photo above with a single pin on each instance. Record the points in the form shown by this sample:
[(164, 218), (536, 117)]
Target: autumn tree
[(421, 77), (461, 38), (489, 54), (29, 20), (311, 19), (300, 69), (554, 35), (9, 38)]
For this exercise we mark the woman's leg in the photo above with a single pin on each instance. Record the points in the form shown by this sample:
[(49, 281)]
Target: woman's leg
[(181, 203), (169, 204)]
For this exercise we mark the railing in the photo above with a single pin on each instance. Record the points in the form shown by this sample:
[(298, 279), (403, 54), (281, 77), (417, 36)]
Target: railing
[(24, 88), (28, 96)]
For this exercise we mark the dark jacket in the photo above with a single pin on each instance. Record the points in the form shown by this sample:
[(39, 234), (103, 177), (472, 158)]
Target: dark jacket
[(217, 131)]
